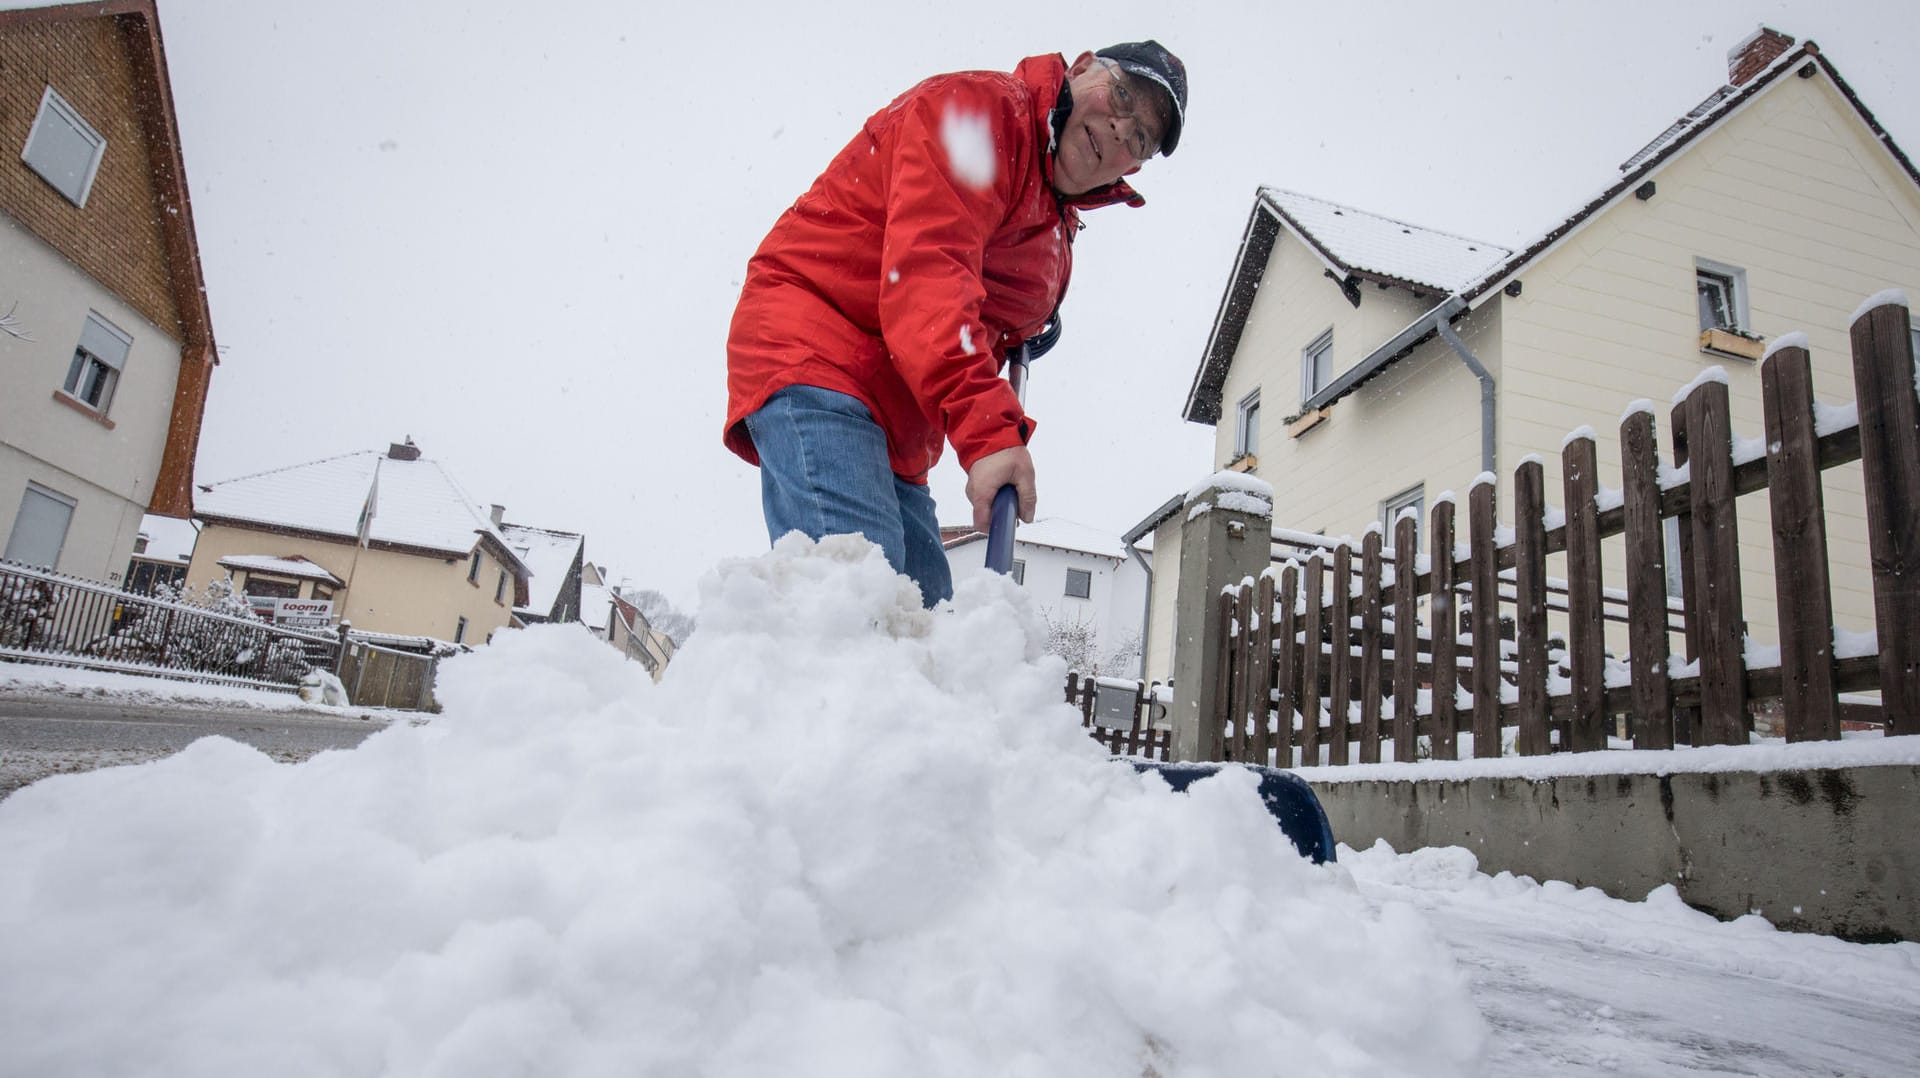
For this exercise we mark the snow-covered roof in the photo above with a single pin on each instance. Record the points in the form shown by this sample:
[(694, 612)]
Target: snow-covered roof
[(294, 567), (548, 555), (1061, 535), (416, 504), (596, 601), (168, 538), (1355, 241)]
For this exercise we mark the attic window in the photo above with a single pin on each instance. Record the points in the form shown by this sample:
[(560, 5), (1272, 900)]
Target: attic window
[(1316, 366), (1722, 293), (63, 148)]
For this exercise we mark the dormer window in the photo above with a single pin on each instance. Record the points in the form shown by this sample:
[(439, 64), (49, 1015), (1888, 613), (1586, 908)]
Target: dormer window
[(63, 148)]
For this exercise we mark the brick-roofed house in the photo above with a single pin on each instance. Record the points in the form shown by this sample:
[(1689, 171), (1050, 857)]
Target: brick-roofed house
[(106, 343), (390, 538), (1361, 365)]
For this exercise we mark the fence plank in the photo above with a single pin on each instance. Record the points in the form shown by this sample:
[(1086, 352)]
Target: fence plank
[(1223, 677), (1371, 686), (1484, 572), (1245, 614), (1308, 687), (1530, 604), (1286, 671), (1648, 648), (1406, 629), (1586, 631), (1883, 379), (1446, 630), (1801, 584), (1261, 667), (1340, 655), (1716, 557)]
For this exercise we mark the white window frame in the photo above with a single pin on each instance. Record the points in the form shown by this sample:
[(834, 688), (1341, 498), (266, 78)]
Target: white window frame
[(56, 109), (1316, 366), (1735, 281), (1085, 575), (1414, 496), (98, 359), (1246, 432), (12, 552)]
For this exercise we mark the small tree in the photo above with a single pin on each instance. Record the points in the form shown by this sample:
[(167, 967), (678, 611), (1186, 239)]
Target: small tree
[(1077, 640)]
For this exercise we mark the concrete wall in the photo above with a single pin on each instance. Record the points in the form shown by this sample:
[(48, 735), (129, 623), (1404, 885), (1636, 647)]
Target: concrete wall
[(1830, 850)]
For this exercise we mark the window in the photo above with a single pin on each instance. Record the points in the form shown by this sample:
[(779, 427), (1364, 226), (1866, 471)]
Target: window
[(1079, 583), (97, 362), (473, 570), (500, 589), (267, 587), (460, 631), (322, 591), (1246, 435), (63, 148), (1414, 498), (1019, 571), (1316, 366), (40, 528), (1722, 292)]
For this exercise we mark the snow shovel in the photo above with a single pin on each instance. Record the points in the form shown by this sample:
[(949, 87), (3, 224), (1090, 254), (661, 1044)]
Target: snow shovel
[(1006, 501)]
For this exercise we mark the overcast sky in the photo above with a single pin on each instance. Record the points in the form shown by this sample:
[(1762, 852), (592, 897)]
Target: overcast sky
[(515, 232)]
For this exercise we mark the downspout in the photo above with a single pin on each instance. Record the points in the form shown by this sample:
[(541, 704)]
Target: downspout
[(1487, 442)]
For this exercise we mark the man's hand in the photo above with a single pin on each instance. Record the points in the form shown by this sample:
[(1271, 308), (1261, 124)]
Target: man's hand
[(995, 470)]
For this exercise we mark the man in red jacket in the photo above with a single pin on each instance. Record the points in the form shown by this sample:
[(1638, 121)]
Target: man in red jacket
[(878, 312)]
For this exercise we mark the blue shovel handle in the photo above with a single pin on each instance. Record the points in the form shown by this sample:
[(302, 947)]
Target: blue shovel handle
[(1006, 503)]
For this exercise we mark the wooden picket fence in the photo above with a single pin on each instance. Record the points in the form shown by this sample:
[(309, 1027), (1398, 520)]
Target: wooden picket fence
[(1312, 664), (1125, 716)]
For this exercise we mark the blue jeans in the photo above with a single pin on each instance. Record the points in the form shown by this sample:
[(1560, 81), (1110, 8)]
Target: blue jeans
[(824, 471)]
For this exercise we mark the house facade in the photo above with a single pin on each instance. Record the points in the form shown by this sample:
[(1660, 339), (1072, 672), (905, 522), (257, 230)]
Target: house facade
[(1091, 591), (106, 343), (556, 559), (1362, 365), (392, 540)]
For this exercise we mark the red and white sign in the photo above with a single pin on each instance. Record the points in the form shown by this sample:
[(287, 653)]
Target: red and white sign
[(303, 613)]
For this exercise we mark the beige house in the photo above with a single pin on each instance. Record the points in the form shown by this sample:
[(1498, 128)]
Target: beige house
[(391, 539), (1361, 365), (106, 345), (613, 616)]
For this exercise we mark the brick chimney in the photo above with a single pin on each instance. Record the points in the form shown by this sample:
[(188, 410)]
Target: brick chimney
[(1754, 52), (403, 451)]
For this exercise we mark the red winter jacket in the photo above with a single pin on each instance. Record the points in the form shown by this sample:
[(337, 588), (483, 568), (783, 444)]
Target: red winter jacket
[(896, 280)]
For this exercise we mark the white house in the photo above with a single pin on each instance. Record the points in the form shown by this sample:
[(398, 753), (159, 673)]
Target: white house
[(1089, 586)]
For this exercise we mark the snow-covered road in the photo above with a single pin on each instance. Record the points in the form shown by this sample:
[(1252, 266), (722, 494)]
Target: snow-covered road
[(1575, 983)]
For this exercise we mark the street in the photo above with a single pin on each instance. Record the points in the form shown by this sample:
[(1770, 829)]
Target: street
[(51, 733)]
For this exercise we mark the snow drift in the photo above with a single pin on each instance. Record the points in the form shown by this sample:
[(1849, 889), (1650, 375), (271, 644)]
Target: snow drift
[(844, 836)]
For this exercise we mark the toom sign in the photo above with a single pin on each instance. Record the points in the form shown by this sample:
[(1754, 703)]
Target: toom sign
[(303, 613)]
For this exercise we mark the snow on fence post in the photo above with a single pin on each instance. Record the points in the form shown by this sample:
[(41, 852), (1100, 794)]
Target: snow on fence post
[(1718, 610), (1484, 571), (1884, 382), (1586, 629), (1226, 537), (1651, 688), (1802, 587), (1530, 604), (1445, 631)]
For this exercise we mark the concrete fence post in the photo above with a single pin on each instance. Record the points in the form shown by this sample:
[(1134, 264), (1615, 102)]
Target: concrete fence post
[(1225, 537)]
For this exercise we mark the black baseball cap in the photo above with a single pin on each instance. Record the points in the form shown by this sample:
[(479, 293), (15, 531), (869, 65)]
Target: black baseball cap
[(1150, 60)]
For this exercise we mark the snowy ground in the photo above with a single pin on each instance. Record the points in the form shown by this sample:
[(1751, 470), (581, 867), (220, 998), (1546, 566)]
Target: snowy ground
[(842, 837)]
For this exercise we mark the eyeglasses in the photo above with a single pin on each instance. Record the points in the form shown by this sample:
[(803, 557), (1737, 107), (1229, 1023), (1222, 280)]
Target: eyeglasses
[(1130, 103)]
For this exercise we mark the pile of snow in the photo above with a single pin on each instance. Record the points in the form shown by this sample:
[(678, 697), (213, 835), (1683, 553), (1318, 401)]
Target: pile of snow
[(844, 836)]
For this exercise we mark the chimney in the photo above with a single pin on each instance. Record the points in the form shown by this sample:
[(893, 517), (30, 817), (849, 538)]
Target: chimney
[(499, 511), (403, 451), (1754, 52)]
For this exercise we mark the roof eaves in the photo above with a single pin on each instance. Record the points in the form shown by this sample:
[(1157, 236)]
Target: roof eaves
[(1396, 346), (1250, 264), (1154, 519)]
